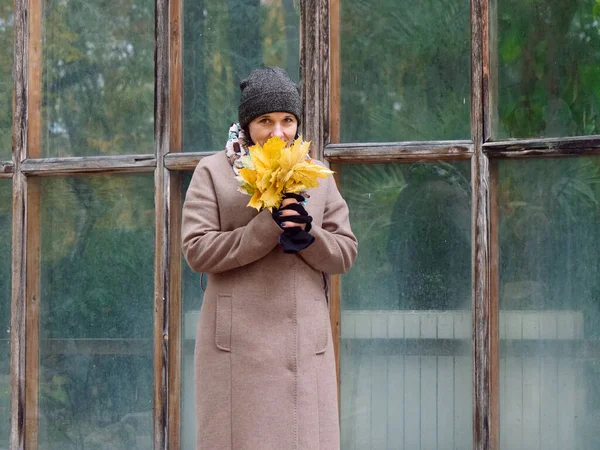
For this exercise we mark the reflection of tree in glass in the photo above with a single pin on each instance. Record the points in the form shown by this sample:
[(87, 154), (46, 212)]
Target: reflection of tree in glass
[(549, 236), (6, 60), (429, 247), (97, 239), (413, 224), (549, 247), (98, 77), (548, 68), (5, 283), (405, 70), (223, 42)]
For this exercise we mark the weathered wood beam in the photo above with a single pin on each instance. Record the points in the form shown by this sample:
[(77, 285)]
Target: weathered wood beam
[(161, 206), (335, 77), (90, 164), (405, 151), (529, 148), (331, 120), (174, 285), (172, 215), (485, 416), (6, 169), (32, 337), (19, 214), (311, 73), (184, 161)]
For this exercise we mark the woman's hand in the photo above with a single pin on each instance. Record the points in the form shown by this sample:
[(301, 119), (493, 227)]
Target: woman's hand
[(283, 213), (291, 215), (295, 222)]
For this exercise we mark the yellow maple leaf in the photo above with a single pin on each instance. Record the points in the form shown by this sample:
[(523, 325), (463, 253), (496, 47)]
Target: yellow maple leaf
[(274, 169)]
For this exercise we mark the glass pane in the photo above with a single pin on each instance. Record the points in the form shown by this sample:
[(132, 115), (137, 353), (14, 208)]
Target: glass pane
[(5, 280), (98, 77), (405, 70), (406, 308), (96, 312), (223, 40), (548, 70), (6, 62), (549, 303), (192, 295)]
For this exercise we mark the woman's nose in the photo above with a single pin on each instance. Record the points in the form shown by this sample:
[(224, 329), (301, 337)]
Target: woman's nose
[(277, 131)]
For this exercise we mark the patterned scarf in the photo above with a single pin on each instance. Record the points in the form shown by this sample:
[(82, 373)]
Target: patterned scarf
[(236, 147)]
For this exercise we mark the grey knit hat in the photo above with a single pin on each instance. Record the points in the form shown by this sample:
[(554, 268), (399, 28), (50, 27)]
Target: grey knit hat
[(268, 90)]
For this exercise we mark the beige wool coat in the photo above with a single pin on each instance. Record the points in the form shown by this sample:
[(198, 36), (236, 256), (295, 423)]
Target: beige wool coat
[(265, 369)]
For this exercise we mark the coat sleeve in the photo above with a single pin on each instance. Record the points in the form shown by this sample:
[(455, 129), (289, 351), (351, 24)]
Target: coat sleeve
[(335, 246), (208, 249)]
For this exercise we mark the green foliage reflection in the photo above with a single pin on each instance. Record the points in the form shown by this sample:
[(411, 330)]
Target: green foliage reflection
[(549, 235), (5, 283), (6, 63), (405, 70), (223, 42), (96, 311), (98, 78), (413, 224), (549, 245), (548, 68)]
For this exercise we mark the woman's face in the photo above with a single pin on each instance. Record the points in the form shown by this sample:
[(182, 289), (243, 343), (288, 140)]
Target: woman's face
[(281, 124)]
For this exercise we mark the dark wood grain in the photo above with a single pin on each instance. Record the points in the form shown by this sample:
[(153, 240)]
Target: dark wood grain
[(161, 241), (481, 303), (530, 148), (174, 316), (6, 169), (34, 76), (172, 229), (18, 312), (323, 66), (161, 310), (528, 154), (184, 161), (388, 152), (89, 164), (482, 412), (310, 75), (335, 319), (32, 312), (176, 75), (19, 212), (335, 72)]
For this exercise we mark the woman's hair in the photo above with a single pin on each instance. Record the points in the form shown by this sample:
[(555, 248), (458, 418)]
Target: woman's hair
[(268, 90)]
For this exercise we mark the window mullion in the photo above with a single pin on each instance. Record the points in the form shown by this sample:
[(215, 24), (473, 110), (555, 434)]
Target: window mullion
[(161, 242), (485, 387)]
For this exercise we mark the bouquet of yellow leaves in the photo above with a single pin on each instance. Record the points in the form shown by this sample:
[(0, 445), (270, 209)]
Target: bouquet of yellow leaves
[(273, 170)]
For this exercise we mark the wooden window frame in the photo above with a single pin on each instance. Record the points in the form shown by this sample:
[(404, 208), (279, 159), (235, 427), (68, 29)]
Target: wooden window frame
[(482, 152), (320, 75)]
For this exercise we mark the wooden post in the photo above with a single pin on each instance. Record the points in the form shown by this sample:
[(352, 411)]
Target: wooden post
[(173, 203), (484, 402), (19, 212), (161, 243)]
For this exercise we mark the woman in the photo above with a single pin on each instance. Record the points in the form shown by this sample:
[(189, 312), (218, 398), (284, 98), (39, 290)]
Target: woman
[(265, 369)]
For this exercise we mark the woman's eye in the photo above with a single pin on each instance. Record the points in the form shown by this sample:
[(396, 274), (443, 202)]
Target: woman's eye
[(264, 121)]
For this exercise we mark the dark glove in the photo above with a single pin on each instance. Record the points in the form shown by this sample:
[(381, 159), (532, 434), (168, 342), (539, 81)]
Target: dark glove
[(294, 239)]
